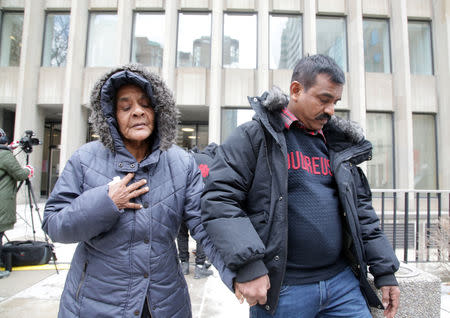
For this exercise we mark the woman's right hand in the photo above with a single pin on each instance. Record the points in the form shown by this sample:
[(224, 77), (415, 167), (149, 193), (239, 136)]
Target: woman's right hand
[(121, 193)]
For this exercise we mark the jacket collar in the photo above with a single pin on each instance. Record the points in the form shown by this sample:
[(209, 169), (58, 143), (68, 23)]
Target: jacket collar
[(339, 132)]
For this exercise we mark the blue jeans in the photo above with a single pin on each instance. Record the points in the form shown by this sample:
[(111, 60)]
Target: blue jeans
[(339, 296)]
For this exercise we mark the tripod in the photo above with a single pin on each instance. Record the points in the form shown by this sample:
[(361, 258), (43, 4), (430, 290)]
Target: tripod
[(31, 201)]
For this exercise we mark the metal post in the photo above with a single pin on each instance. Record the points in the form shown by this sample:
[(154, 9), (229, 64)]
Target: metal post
[(405, 242), (417, 225), (394, 233), (428, 224), (382, 211)]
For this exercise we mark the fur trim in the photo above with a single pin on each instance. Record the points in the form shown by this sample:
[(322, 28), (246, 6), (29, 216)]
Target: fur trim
[(351, 129), (275, 100), (165, 110)]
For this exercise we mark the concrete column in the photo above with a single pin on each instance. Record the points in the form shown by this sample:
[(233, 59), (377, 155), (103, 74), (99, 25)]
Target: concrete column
[(28, 116), (401, 80), (215, 81), (441, 50), (124, 27), (309, 28), (356, 85), (170, 45), (263, 47), (74, 118)]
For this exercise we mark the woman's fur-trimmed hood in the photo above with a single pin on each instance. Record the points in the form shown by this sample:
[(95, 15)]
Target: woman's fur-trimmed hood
[(337, 128), (102, 101)]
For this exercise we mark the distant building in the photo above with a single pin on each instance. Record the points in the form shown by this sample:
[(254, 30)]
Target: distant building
[(148, 52), (230, 51)]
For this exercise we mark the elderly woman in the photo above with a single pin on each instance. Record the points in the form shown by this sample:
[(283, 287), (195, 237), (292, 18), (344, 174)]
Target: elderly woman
[(123, 199)]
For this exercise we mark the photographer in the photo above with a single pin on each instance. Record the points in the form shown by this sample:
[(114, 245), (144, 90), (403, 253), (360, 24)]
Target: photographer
[(10, 172)]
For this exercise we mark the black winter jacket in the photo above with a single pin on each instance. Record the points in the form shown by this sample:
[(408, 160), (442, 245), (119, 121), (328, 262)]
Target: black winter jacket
[(245, 210)]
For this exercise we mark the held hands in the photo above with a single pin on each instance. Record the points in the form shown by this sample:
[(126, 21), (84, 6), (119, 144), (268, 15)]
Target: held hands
[(390, 300), (255, 291), (121, 194)]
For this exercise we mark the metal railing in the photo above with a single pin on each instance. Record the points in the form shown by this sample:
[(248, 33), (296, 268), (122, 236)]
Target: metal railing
[(416, 222)]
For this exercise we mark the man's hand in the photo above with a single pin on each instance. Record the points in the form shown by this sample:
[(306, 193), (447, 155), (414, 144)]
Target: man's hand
[(30, 171), (121, 194), (254, 291), (390, 300)]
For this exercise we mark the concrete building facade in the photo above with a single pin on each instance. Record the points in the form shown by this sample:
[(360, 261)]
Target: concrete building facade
[(395, 54)]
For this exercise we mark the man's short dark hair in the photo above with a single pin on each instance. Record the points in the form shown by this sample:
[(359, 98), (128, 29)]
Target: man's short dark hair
[(309, 67)]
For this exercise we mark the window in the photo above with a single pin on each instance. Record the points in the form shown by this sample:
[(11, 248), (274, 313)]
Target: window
[(424, 140), (380, 170), (420, 52), (233, 117), (194, 40), (56, 39), (192, 135), (332, 39), (11, 38), (285, 41), (239, 41), (148, 39), (102, 42), (376, 46)]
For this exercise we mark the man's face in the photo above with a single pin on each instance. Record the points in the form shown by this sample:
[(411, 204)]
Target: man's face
[(134, 114), (315, 106)]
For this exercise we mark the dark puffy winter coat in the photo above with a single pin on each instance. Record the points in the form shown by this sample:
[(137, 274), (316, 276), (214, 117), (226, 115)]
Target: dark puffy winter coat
[(245, 210), (127, 256)]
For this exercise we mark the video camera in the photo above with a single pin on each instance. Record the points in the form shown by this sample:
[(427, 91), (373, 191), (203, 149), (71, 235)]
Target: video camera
[(28, 141)]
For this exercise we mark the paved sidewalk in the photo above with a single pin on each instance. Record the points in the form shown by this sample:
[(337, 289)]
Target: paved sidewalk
[(36, 293)]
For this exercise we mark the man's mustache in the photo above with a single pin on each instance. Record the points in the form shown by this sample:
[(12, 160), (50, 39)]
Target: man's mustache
[(323, 116)]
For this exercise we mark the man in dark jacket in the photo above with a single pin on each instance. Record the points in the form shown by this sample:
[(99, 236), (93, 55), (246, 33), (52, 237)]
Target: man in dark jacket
[(10, 172), (306, 256)]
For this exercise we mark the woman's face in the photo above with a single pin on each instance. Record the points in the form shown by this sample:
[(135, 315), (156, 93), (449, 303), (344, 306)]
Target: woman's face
[(135, 116)]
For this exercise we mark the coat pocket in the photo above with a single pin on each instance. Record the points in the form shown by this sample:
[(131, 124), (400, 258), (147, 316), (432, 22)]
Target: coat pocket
[(82, 279)]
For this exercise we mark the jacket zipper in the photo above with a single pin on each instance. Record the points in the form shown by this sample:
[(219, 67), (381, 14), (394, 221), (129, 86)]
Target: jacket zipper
[(83, 276)]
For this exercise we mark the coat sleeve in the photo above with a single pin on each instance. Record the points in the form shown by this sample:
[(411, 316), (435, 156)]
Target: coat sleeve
[(13, 168), (74, 215), (192, 217), (223, 206), (379, 253)]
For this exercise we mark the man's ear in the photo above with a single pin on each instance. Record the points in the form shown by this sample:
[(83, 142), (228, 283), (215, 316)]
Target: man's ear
[(296, 89)]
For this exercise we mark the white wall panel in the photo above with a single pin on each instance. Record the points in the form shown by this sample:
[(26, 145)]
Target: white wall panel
[(51, 85), (379, 91), (237, 85)]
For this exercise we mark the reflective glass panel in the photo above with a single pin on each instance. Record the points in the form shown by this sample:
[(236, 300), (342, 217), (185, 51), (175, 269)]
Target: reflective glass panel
[(148, 39), (102, 40), (56, 39), (376, 46), (332, 39), (285, 41), (420, 52), (194, 40), (380, 170), (11, 38), (239, 41), (424, 140)]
